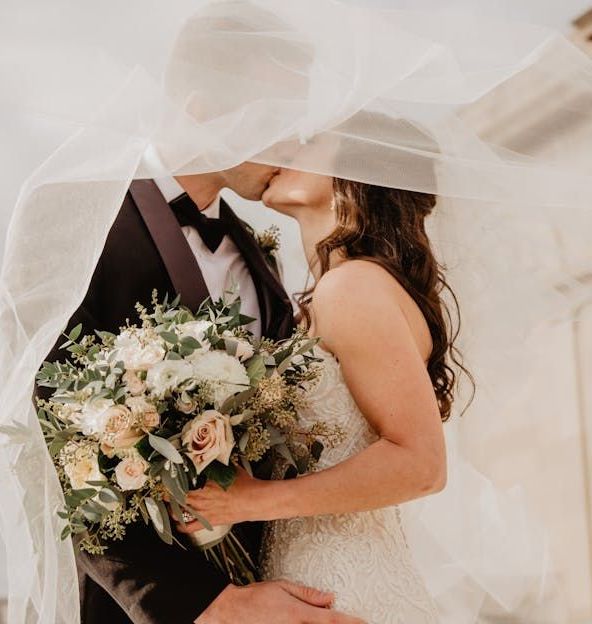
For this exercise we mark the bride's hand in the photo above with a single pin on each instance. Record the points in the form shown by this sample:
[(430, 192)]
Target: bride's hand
[(219, 506)]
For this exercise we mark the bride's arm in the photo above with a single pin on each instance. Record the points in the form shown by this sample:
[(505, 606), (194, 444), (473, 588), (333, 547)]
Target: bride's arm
[(358, 314)]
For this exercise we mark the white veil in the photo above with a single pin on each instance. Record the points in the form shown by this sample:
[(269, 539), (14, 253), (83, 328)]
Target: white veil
[(87, 88)]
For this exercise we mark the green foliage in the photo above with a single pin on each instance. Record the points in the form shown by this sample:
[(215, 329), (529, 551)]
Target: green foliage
[(223, 475)]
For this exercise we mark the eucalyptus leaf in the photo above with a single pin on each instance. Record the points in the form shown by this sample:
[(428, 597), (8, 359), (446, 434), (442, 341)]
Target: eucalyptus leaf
[(256, 369), (56, 446), (84, 493), (286, 361), (105, 336), (144, 512), (275, 435), (160, 519), (170, 337), (173, 486), (238, 419), (221, 474), (284, 451), (246, 464), (244, 440), (165, 448), (182, 478), (93, 512), (157, 467), (302, 464), (177, 511), (233, 402), (108, 496), (154, 513), (190, 342)]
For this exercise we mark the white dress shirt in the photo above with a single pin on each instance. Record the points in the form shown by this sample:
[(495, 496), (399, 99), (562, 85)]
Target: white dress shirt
[(224, 269)]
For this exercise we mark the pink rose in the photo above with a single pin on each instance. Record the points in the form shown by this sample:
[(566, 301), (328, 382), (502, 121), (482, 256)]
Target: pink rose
[(145, 412), (119, 432), (208, 437), (130, 472)]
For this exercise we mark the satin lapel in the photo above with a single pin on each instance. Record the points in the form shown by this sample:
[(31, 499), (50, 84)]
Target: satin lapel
[(171, 243), (273, 300)]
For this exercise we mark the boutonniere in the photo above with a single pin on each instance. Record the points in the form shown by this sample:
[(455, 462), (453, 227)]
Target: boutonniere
[(269, 241)]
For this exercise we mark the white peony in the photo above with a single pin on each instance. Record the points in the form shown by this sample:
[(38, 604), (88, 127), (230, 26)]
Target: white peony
[(93, 416), (81, 464), (168, 374), (130, 472), (225, 374), (197, 330), (138, 354), (208, 437)]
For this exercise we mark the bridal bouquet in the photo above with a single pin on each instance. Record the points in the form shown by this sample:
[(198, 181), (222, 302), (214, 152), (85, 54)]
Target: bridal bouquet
[(139, 418)]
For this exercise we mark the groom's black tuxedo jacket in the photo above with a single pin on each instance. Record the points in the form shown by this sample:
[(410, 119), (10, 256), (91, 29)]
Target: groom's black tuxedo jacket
[(141, 579)]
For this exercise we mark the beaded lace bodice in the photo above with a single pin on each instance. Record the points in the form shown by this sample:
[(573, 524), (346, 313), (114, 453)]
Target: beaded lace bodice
[(362, 557)]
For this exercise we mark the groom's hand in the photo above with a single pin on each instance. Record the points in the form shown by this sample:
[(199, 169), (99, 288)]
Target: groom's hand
[(273, 602)]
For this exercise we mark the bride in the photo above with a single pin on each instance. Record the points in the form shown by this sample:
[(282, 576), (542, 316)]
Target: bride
[(386, 382)]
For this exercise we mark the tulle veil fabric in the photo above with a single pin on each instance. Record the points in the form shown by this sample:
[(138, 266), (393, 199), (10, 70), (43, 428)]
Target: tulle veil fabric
[(382, 96)]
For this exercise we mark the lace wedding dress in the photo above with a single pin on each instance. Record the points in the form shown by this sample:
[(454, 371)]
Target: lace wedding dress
[(362, 557)]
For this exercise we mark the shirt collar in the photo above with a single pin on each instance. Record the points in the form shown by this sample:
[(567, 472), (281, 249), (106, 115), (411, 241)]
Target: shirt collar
[(213, 210), (171, 189)]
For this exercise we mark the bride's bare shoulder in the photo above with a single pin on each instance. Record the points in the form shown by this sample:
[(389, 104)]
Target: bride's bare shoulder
[(359, 297), (354, 278), (353, 290)]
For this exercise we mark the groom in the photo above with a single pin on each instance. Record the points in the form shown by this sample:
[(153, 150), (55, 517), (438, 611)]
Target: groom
[(179, 237)]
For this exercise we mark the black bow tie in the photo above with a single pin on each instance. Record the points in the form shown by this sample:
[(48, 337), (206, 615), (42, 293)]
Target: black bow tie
[(212, 231)]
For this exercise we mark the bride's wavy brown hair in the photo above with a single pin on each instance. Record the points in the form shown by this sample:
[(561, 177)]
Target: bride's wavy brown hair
[(387, 226)]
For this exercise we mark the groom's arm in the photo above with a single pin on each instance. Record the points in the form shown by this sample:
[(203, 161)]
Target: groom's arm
[(159, 584), (153, 582)]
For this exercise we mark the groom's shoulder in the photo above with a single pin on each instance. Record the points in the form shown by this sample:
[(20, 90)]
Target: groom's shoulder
[(128, 223)]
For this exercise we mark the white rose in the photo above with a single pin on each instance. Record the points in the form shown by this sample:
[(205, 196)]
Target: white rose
[(197, 330), (81, 465), (168, 374), (208, 437), (130, 472), (93, 416), (138, 354), (225, 374)]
